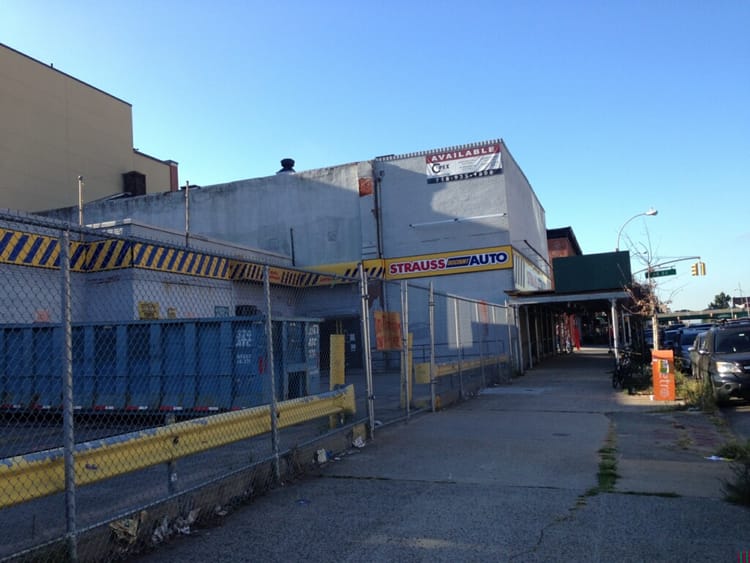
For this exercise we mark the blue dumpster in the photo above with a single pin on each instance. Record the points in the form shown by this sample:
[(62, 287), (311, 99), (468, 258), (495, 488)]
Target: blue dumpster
[(188, 365)]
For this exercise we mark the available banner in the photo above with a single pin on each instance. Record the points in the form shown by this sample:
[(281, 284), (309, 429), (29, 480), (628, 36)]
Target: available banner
[(462, 164)]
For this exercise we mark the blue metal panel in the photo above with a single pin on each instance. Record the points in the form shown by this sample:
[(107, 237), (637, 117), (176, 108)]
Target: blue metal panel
[(178, 349), (154, 352), (144, 388), (84, 376), (111, 383), (48, 367), (226, 334), (18, 369), (248, 355), (214, 388)]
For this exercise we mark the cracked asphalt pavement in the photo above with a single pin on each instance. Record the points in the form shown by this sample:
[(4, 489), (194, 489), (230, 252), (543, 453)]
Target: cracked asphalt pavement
[(510, 475)]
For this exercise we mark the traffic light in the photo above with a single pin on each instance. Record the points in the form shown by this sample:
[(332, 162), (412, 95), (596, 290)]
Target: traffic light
[(698, 269)]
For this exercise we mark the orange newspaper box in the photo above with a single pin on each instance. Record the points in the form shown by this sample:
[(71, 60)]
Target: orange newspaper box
[(662, 367)]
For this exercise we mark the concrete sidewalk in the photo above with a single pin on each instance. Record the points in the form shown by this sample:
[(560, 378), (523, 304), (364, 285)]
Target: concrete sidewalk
[(508, 476)]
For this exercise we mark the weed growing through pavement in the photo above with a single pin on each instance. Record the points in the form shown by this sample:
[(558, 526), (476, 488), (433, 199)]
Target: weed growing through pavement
[(734, 450), (737, 490), (607, 475), (684, 442), (693, 392)]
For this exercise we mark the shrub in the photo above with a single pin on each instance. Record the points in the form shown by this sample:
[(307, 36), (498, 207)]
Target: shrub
[(694, 392), (738, 489)]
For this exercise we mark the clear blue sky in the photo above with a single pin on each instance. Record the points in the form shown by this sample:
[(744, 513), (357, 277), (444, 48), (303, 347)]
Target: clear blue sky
[(610, 108)]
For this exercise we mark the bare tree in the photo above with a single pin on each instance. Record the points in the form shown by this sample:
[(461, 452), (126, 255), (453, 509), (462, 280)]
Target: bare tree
[(644, 298)]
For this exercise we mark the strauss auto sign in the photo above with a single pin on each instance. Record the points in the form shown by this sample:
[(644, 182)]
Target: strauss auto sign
[(477, 260)]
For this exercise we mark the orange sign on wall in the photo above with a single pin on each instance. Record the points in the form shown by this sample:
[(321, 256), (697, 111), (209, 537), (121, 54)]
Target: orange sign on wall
[(387, 330), (662, 368)]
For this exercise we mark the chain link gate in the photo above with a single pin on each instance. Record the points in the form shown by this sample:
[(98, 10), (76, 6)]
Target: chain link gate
[(432, 349)]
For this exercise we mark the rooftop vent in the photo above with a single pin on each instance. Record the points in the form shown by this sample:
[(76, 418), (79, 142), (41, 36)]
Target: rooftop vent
[(287, 166)]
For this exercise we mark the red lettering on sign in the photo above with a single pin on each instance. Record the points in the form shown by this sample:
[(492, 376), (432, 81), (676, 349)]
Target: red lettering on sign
[(417, 266)]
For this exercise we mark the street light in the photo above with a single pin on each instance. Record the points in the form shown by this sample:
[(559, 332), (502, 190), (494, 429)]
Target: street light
[(650, 213)]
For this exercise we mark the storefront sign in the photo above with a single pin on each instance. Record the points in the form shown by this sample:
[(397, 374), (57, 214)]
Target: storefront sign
[(529, 277), (462, 164), (494, 258)]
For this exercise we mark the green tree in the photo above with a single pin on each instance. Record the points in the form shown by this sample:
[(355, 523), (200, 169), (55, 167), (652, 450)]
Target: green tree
[(721, 301)]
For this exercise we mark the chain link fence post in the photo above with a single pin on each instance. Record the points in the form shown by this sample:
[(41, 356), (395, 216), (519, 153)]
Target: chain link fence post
[(67, 386), (483, 324), (405, 364), (456, 314), (366, 349), (431, 307), (171, 465), (272, 375)]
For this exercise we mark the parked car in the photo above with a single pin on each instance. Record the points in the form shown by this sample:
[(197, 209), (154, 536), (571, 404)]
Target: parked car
[(724, 361), (648, 337), (683, 343), (671, 339), (694, 351)]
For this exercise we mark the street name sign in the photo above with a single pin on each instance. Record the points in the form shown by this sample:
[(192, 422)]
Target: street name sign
[(660, 273)]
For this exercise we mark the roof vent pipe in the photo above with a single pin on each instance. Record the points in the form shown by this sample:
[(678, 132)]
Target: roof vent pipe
[(287, 166)]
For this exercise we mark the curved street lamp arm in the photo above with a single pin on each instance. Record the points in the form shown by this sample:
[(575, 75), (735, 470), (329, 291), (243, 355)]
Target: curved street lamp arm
[(660, 264), (650, 213)]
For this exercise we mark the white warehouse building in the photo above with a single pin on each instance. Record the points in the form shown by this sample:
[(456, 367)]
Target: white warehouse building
[(464, 219)]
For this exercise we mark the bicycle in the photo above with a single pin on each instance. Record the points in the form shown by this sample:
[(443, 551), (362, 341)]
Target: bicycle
[(621, 375)]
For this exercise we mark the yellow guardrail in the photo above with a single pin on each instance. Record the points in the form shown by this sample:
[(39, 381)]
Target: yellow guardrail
[(31, 476), (422, 370)]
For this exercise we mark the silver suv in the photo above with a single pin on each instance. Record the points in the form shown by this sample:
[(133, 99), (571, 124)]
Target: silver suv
[(724, 361)]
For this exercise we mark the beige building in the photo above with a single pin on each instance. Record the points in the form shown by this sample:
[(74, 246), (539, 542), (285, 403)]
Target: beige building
[(55, 128)]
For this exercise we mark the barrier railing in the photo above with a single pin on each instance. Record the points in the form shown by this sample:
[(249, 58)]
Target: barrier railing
[(422, 370), (110, 457)]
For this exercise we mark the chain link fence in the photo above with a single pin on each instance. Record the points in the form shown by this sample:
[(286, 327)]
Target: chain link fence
[(149, 382), (433, 349)]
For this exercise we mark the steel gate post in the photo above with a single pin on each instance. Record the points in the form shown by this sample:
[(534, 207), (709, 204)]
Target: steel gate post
[(68, 422), (272, 375), (432, 346), (366, 351)]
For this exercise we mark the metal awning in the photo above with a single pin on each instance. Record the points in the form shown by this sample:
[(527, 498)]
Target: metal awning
[(541, 298)]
